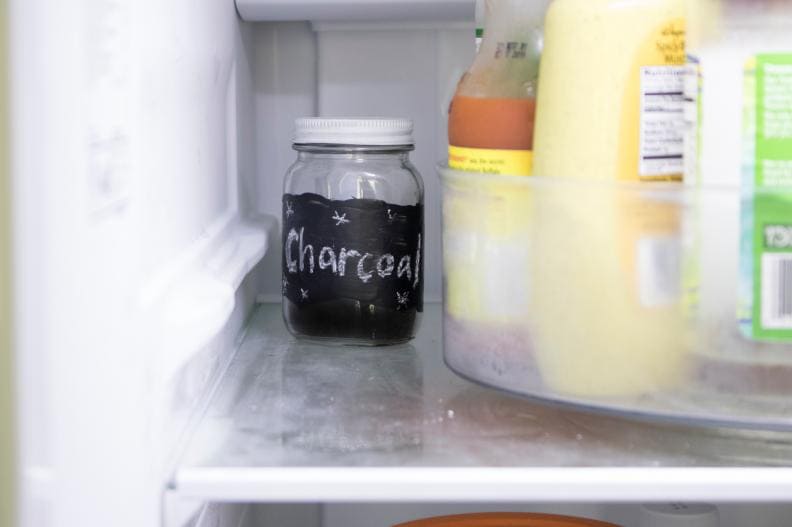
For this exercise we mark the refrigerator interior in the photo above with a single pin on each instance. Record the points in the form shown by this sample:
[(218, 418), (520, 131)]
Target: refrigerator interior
[(150, 141), (149, 144)]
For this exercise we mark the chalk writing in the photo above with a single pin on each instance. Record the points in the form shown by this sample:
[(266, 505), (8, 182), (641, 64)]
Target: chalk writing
[(340, 220), (376, 258)]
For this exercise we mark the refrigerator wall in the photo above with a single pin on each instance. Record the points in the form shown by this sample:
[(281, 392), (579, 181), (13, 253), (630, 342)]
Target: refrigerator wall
[(150, 140), (345, 69), (132, 247)]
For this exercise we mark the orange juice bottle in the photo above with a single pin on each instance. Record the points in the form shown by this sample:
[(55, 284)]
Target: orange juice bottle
[(490, 126)]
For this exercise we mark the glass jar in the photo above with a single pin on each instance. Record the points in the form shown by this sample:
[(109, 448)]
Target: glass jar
[(353, 233)]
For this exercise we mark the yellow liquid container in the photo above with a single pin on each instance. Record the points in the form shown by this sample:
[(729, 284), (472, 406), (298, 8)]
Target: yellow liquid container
[(610, 117), (610, 100), (584, 300)]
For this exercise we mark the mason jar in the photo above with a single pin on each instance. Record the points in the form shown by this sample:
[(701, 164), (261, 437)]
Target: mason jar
[(353, 233)]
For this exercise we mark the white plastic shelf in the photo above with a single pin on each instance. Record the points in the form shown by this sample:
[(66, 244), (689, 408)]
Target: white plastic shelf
[(297, 422), (416, 11)]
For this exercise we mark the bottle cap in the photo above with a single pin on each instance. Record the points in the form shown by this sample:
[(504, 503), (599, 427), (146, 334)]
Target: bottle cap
[(679, 515), (363, 132)]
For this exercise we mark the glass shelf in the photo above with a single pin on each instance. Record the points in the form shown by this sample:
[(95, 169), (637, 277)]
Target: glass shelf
[(292, 421)]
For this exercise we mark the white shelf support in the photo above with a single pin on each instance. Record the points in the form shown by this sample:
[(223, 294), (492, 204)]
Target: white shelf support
[(424, 11), (190, 301), (489, 484)]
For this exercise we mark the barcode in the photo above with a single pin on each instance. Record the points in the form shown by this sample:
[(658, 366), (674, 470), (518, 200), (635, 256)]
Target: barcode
[(777, 291)]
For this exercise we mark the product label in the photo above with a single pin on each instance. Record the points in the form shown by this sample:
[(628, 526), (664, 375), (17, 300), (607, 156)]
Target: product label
[(511, 50), (767, 210), (774, 121), (662, 121), (772, 261), (651, 145), (359, 249), (486, 161)]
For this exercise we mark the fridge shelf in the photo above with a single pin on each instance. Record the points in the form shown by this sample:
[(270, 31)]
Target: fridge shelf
[(291, 421), (346, 11)]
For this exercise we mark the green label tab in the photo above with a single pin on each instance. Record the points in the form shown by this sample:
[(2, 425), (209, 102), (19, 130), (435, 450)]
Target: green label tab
[(767, 211)]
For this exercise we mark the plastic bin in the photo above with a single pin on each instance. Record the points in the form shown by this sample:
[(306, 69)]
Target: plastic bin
[(615, 297)]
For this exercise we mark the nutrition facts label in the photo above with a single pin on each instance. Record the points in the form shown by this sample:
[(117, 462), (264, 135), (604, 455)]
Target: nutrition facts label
[(662, 122)]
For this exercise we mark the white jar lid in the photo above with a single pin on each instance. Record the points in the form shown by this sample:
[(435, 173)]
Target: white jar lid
[(679, 515), (364, 132)]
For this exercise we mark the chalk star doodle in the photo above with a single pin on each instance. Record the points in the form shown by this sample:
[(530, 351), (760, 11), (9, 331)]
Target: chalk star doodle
[(340, 219), (402, 298), (284, 286), (289, 209), (304, 293), (391, 216)]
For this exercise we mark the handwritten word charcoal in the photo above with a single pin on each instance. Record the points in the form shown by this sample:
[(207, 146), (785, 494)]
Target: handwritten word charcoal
[(327, 260), (362, 250)]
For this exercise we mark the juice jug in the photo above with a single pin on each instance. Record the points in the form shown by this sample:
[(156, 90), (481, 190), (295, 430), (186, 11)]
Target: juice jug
[(490, 126)]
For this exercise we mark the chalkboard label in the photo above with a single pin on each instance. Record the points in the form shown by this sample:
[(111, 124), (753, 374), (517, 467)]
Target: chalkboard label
[(358, 249)]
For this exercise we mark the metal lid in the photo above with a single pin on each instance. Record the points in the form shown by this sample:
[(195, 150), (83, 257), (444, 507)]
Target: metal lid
[(365, 132)]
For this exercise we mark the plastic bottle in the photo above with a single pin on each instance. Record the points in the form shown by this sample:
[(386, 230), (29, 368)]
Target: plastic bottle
[(491, 118), (610, 103), (609, 108)]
